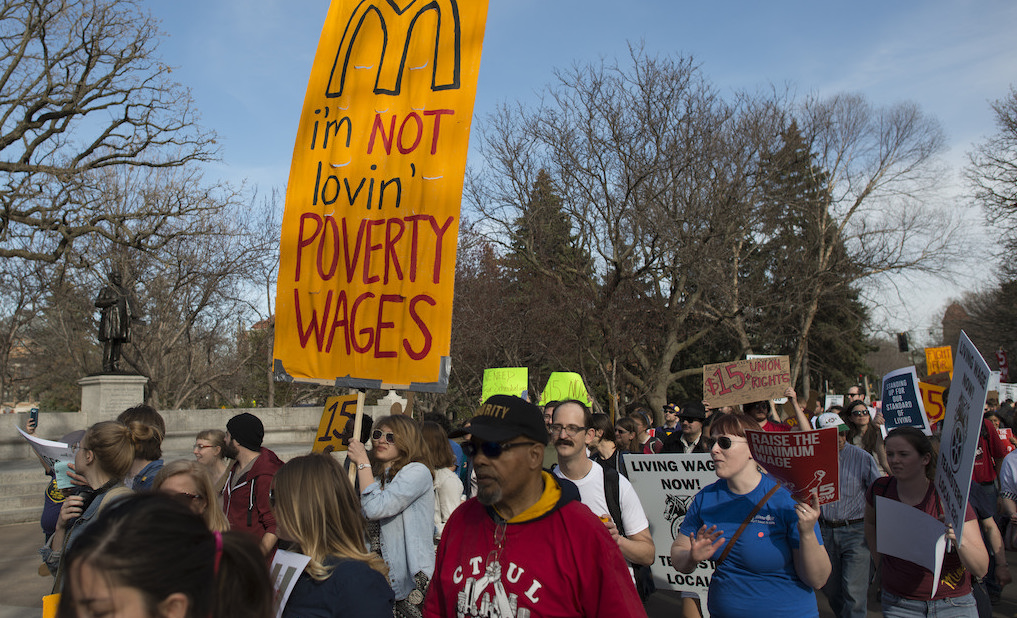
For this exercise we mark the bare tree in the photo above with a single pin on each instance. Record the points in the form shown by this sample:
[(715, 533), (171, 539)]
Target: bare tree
[(993, 169), (83, 91), (651, 172)]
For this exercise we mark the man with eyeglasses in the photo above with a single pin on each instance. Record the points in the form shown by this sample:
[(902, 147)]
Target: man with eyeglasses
[(842, 524), (571, 431), (855, 393), (525, 545)]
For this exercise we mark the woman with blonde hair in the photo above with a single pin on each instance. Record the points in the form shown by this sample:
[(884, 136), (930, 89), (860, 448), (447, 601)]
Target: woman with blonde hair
[(104, 457), (398, 500), (188, 481), (316, 508), (448, 489), (210, 451)]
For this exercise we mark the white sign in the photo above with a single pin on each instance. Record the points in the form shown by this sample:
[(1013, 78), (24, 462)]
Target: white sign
[(666, 485), (285, 570), (1007, 391), (49, 451), (961, 427), (833, 400), (905, 532)]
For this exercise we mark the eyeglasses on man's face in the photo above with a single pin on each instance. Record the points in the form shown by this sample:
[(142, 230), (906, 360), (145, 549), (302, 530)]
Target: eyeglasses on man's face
[(570, 430)]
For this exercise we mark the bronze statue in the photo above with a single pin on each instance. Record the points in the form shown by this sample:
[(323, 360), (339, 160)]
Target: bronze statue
[(118, 309)]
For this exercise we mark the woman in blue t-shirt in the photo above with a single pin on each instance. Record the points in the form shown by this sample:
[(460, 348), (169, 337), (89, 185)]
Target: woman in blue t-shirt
[(777, 561)]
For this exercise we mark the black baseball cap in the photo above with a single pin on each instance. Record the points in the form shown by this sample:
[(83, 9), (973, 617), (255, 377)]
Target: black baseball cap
[(692, 410), (503, 417)]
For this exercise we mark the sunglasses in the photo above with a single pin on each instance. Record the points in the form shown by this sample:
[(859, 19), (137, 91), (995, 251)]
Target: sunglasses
[(389, 436), (725, 442), (491, 450), (860, 412)]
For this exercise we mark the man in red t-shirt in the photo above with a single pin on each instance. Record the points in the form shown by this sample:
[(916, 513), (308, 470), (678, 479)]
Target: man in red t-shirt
[(525, 545)]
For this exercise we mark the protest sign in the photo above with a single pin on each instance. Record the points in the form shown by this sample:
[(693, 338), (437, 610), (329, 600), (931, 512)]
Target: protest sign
[(336, 426), (902, 402), (369, 232), (562, 385), (905, 532), (961, 428), (728, 384), (1006, 436), (49, 451), (932, 399), (802, 461), (1007, 391), (833, 400), (780, 401), (666, 485), (938, 360), (505, 381), (285, 570)]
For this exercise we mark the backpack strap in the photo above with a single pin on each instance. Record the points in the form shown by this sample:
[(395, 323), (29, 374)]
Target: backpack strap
[(612, 494)]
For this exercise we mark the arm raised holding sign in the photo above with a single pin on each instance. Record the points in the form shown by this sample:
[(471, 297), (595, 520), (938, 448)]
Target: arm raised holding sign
[(751, 520)]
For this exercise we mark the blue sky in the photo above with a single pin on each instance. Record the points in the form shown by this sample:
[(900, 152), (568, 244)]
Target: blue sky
[(247, 63)]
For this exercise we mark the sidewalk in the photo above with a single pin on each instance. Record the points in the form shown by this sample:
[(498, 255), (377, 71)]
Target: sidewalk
[(23, 588)]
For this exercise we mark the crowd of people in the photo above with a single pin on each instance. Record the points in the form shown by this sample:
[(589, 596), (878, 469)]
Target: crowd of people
[(524, 511)]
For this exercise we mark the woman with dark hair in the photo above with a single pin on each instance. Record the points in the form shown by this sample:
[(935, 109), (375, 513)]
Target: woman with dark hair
[(397, 497), (864, 434), (104, 458), (187, 480), (603, 448), (210, 451), (625, 432), (907, 587), (772, 555), (448, 489), (149, 556), (316, 508)]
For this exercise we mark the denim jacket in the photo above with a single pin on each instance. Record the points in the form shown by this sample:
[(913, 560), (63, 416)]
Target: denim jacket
[(53, 555), (405, 509)]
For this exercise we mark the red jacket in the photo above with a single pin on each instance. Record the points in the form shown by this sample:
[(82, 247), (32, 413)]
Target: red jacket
[(990, 447), (245, 498)]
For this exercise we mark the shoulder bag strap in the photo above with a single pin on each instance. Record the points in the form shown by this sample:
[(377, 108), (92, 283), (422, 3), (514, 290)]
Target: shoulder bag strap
[(745, 523)]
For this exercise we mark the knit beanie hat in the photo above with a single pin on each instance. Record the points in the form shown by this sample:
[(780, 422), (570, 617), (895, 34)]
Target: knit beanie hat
[(247, 430)]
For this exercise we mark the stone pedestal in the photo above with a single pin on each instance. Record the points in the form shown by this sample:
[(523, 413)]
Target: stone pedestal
[(104, 397)]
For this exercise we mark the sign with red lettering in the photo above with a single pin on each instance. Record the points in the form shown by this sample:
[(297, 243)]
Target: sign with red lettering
[(803, 461), (756, 379), (368, 245), (939, 360)]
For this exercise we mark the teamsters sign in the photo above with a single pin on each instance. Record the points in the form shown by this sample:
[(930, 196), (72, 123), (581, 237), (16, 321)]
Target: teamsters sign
[(368, 247)]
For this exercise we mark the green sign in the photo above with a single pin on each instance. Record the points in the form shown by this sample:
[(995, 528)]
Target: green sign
[(562, 385), (505, 381)]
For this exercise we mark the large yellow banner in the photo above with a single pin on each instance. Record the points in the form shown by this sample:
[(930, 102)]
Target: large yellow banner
[(368, 247)]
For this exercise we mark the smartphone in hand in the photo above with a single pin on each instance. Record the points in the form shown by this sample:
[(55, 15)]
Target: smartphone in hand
[(33, 417)]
